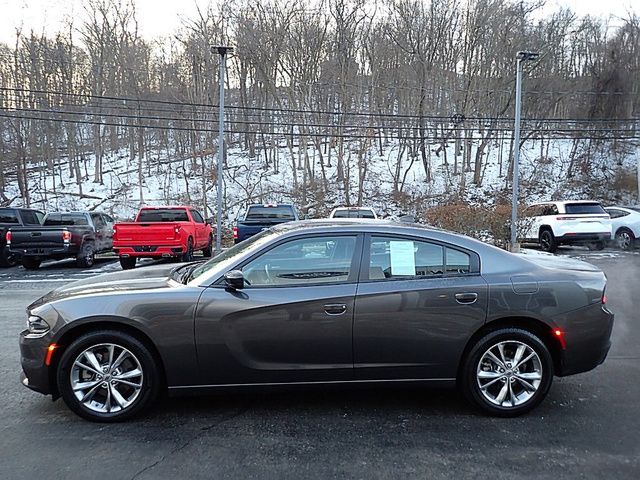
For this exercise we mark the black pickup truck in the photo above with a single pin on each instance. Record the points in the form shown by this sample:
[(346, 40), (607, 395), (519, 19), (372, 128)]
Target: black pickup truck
[(15, 217), (62, 235), (259, 217)]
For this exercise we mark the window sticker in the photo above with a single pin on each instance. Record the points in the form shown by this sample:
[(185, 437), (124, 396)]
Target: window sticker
[(403, 259)]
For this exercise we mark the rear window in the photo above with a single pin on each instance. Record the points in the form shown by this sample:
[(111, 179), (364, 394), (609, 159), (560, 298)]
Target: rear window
[(8, 216), (65, 219), (584, 208), (257, 212), (163, 215), (353, 214)]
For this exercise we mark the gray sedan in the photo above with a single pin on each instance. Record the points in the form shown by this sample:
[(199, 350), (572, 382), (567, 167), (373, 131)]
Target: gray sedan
[(322, 302)]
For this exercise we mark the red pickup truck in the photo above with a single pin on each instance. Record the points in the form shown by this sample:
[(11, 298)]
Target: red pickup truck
[(162, 232)]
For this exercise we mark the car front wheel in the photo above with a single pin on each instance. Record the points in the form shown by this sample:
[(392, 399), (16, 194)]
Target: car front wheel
[(508, 372), (107, 376)]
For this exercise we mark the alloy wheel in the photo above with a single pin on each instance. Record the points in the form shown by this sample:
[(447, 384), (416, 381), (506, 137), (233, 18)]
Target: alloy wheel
[(106, 378), (624, 240), (509, 374)]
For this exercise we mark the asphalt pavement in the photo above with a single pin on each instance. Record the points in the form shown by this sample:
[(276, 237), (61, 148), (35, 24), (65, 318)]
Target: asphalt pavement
[(588, 426)]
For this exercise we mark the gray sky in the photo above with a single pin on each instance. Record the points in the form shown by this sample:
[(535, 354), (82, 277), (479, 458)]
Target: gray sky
[(162, 17)]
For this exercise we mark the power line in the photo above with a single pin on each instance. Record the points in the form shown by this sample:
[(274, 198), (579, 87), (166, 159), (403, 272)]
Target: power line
[(312, 134), (295, 110)]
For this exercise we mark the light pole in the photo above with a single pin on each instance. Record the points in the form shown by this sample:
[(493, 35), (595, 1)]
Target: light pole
[(520, 57), (222, 51)]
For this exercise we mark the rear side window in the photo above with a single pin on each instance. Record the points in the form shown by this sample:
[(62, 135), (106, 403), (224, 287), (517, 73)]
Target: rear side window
[(392, 258), (257, 212), (8, 216), (163, 215), (29, 217), (65, 219), (584, 208)]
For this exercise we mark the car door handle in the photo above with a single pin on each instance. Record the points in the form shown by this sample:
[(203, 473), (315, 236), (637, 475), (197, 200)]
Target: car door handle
[(335, 308), (466, 298)]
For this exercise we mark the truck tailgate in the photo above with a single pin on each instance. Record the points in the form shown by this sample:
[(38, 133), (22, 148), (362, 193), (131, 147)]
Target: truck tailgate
[(36, 237), (154, 233)]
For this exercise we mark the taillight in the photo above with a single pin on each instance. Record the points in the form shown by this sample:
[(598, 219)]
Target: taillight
[(177, 229), (66, 236), (8, 238), (235, 233)]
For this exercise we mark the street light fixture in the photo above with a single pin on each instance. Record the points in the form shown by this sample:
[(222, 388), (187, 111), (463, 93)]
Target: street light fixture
[(222, 50), (520, 57)]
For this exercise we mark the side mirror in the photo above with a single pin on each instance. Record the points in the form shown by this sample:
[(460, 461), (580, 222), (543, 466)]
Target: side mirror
[(210, 221), (234, 279)]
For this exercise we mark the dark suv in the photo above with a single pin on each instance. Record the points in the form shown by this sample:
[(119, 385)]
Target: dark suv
[(15, 217)]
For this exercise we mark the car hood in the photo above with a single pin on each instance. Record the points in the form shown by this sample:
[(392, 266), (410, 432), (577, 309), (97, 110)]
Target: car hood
[(151, 277)]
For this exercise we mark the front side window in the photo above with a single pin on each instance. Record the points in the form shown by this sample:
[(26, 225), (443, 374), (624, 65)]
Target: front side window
[(399, 258), (304, 261)]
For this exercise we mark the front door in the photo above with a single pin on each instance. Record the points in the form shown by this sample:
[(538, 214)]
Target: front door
[(291, 323), (417, 305)]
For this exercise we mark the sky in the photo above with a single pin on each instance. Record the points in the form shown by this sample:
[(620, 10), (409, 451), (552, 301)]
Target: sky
[(162, 17)]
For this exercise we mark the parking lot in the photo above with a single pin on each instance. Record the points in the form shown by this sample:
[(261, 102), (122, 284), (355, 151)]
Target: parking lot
[(588, 426)]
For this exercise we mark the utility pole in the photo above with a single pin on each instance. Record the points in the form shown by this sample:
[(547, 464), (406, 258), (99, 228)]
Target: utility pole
[(222, 51), (520, 57)]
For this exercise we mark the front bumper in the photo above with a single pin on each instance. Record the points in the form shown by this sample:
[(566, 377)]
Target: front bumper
[(587, 334), (35, 374)]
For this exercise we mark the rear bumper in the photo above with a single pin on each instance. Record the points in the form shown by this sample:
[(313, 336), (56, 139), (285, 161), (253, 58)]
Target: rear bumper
[(583, 238), (149, 251), (62, 251), (35, 374), (587, 333)]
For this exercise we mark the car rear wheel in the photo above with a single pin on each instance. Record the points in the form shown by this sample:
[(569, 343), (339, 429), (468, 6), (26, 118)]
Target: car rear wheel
[(508, 372), (127, 263), (625, 239), (596, 246), (208, 250), (31, 263), (547, 241), (87, 257), (107, 376), (188, 254), (7, 259)]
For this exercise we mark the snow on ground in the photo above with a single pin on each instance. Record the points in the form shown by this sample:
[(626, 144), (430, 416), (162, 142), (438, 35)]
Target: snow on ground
[(177, 181)]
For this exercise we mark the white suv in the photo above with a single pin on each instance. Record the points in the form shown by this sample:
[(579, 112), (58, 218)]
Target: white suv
[(566, 223)]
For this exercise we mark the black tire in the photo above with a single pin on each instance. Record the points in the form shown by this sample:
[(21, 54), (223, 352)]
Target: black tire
[(188, 255), (547, 241), (469, 379), (127, 263), (86, 257), (625, 239), (31, 263), (7, 259), (137, 351), (208, 250)]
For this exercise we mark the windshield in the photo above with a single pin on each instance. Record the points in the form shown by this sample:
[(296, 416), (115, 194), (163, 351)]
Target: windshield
[(230, 253), (163, 215), (257, 212), (584, 208)]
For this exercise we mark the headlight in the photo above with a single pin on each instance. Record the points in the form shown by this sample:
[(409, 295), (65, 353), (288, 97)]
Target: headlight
[(37, 326)]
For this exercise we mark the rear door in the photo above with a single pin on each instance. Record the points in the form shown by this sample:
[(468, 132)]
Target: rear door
[(418, 302), (101, 235), (293, 320)]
